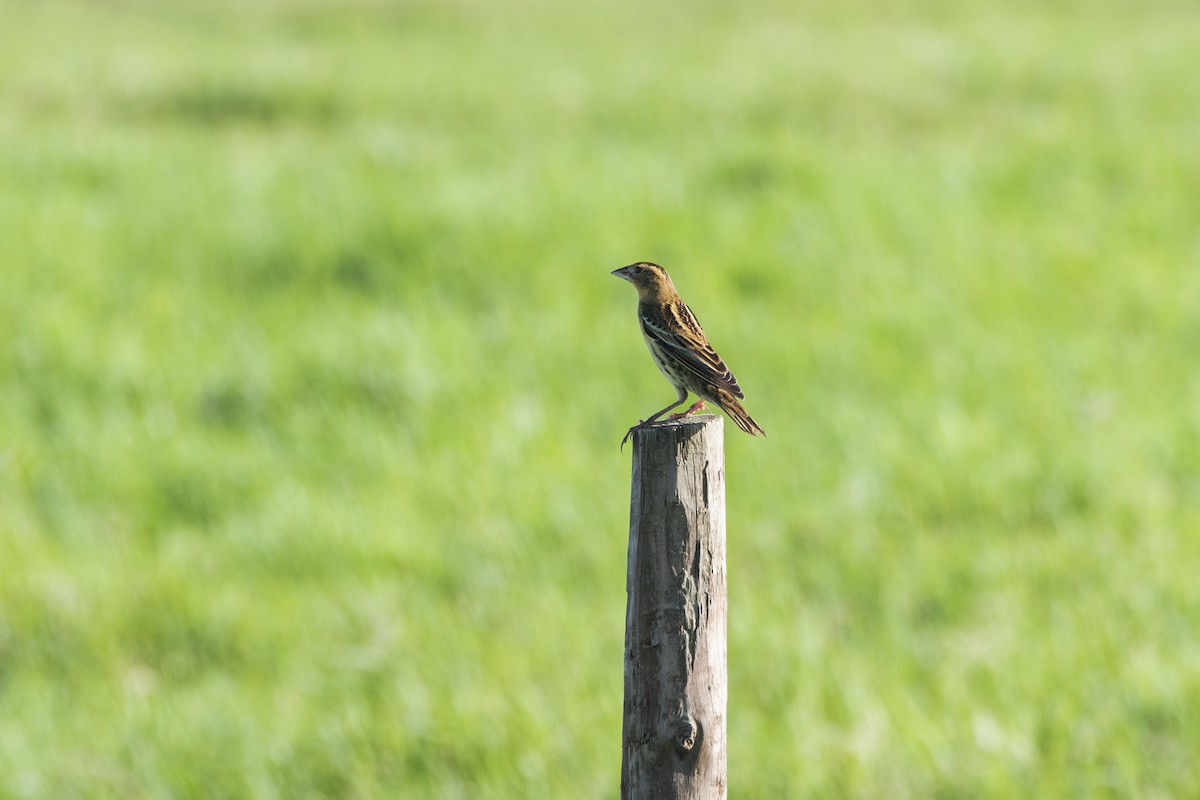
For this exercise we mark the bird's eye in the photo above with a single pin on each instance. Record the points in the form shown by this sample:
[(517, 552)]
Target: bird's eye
[(637, 270)]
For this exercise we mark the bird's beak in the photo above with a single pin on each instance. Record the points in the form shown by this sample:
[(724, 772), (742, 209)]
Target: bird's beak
[(623, 272)]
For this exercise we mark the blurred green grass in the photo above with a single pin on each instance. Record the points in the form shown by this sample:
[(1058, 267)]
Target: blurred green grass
[(313, 376)]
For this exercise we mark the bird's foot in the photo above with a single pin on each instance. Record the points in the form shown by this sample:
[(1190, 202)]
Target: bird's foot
[(629, 433), (695, 407), (642, 423)]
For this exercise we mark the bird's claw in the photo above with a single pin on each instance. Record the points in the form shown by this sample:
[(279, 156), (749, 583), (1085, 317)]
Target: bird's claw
[(695, 407), (629, 433)]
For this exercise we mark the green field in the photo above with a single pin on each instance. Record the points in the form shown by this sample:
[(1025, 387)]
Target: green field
[(313, 376)]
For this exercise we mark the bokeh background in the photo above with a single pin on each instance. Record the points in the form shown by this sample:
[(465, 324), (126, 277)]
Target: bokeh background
[(313, 376)]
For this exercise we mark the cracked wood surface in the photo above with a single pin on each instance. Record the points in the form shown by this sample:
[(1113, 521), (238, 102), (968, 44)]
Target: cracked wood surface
[(673, 743)]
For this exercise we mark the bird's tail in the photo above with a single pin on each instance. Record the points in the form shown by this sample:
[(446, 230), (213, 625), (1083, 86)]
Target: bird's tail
[(733, 409)]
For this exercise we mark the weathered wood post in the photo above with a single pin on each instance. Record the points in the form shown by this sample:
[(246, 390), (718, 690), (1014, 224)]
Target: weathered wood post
[(673, 743)]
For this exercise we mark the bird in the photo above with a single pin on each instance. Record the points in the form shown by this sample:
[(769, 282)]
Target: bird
[(681, 350)]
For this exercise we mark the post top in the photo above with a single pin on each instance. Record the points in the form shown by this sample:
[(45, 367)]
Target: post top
[(695, 420), (682, 429)]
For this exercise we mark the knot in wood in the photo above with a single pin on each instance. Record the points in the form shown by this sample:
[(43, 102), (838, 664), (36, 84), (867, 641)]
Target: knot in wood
[(686, 732)]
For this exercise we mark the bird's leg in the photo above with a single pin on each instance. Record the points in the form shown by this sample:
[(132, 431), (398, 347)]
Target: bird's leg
[(647, 422), (699, 404), (652, 419)]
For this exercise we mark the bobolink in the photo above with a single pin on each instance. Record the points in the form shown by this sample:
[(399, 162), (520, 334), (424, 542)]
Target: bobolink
[(681, 350)]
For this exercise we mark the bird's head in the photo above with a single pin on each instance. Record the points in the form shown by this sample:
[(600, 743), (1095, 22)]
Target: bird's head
[(651, 281)]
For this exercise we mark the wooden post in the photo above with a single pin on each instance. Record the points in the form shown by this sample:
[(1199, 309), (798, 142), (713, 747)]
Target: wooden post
[(673, 743)]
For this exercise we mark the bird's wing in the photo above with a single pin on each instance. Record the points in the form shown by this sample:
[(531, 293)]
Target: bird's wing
[(674, 328)]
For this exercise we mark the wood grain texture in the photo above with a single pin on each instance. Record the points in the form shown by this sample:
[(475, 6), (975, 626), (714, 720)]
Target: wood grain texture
[(673, 743)]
